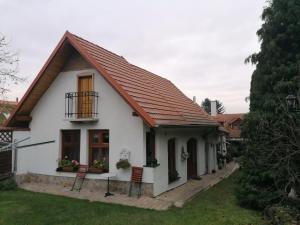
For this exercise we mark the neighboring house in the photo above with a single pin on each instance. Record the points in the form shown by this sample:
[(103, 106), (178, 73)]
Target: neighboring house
[(6, 107), (95, 105), (232, 123)]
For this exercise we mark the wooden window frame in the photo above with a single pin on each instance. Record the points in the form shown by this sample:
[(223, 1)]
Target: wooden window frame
[(64, 144), (100, 145), (78, 109), (172, 168), (86, 74), (150, 147)]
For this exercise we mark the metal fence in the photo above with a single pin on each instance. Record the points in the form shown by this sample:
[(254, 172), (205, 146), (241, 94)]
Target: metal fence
[(81, 105)]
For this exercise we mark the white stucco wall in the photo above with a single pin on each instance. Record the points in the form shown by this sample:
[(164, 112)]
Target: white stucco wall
[(182, 136), (125, 130)]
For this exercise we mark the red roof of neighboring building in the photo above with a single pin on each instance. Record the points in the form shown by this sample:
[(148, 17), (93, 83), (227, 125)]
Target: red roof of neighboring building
[(6, 107), (157, 100), (228, 122)]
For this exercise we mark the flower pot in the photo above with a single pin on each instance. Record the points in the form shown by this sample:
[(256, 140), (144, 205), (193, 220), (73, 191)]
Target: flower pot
[(67, 169), (95, 170)]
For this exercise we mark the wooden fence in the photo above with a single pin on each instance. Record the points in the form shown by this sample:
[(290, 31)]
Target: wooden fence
[(6, 156)]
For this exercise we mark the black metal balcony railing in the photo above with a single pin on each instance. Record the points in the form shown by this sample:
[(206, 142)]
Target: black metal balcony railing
[(81, 105)]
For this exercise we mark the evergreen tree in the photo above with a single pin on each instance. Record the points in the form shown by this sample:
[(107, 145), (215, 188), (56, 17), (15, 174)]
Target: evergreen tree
[(206, 106), (271, 161)]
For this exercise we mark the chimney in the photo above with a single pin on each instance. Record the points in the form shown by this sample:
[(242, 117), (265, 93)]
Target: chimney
[(194, 100), (17, 99), (213, 108)]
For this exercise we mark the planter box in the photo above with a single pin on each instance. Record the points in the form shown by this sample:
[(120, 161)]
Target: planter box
[(65, 169), (95, 170)]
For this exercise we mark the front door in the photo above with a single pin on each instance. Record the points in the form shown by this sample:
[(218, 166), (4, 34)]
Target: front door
[(172, 160), (85, 100), (206, 157), (192, 160)]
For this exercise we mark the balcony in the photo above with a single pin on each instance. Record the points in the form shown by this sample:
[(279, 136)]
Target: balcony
[(81, 106)]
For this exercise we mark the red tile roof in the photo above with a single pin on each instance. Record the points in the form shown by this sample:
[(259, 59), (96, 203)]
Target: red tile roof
[(227, 120), (157, 100)]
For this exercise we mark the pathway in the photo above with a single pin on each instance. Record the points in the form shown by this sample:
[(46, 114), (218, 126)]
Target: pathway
[(177, 196)]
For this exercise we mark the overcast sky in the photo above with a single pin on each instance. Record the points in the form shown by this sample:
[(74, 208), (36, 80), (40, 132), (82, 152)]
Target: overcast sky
[(199, 45)]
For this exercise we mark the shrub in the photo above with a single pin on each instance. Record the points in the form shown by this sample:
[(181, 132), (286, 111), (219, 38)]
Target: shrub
[(8, 185), (255, 189), (280, 214)]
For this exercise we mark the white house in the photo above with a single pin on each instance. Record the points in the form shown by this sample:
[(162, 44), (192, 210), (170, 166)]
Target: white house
[(93, 105)]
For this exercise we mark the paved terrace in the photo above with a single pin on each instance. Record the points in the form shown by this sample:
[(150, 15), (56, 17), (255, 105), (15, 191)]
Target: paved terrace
[(175, 197)]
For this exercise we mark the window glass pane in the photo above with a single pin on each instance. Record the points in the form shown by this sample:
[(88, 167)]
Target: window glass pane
[(96, 154), (150, 147), (71, 153), (99, 154), (67, 136), (95, 137), (99, 150), (105, 137), (71, 144)]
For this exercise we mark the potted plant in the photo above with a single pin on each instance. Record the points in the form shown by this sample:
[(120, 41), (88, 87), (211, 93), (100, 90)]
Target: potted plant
[(75, 165), (67, 165), (173, 176), (99, 166), (123, 164), (152, 162)]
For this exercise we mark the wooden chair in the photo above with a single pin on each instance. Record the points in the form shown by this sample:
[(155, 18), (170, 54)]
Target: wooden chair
[(136, 178), (80, 176)]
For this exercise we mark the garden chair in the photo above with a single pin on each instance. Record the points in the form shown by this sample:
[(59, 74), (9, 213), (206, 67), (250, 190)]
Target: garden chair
[(79, 179), (136, 178)]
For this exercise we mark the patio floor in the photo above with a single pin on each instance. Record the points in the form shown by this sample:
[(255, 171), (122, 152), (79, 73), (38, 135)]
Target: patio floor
[(177, 196)]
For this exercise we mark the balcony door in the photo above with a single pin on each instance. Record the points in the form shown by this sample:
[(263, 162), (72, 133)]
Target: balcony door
[(85, 101)]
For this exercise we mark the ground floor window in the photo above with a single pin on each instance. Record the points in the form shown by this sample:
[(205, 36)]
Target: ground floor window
[(172, 172), (150, 149), (99, 151), (71, 144)]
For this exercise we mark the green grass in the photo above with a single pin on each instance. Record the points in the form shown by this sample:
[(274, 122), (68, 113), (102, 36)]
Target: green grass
[(213, 207)]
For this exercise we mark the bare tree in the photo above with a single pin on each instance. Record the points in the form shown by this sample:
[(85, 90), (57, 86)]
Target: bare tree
[(8, 66), (8, 75)]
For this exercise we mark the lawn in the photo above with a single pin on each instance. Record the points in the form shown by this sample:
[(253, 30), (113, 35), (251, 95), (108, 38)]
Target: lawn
[(217, 206)]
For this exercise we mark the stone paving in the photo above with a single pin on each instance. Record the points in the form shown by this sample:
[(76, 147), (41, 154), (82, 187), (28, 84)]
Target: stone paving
[(178, 196), (175, 197)]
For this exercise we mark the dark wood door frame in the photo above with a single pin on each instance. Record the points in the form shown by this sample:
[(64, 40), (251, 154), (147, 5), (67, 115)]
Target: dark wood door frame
[(206, 157), (85, 103), (172, 160), (192, 160)]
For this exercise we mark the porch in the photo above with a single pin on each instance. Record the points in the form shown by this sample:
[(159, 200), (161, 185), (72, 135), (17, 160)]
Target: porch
[(177, 196)]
